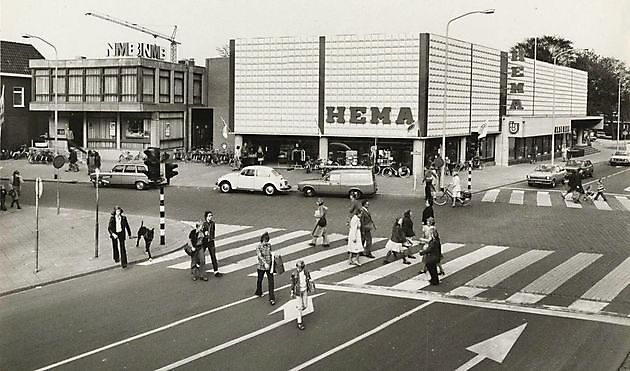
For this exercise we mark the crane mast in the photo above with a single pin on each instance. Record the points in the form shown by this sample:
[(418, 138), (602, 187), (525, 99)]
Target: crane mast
[(134, 26)]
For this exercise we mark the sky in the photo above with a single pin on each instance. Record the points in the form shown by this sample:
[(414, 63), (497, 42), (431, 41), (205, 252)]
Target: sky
[(202, 26)]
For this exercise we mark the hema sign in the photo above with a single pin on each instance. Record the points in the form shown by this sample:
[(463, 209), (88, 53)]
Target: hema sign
[(357, 115), (139, 50)]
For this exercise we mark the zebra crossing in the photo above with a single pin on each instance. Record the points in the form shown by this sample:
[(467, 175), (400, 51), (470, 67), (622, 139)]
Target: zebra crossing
[(472, 270), (552, 198)]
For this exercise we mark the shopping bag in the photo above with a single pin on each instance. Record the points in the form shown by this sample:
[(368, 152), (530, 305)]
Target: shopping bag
[(188, 250), (278, 264)]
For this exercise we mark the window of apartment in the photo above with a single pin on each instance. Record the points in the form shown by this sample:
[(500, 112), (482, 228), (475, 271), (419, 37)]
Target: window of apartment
[(179, 87), (165, 86), (42, 85), (75, 84), (61, 85), (197, 78), (129, 84), (18, 97), (148, 85), (110, 84), (92, 84)]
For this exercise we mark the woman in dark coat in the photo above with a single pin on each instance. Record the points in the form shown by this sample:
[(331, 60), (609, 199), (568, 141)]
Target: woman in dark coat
[(407, 228), (433, 253), (427, 212)]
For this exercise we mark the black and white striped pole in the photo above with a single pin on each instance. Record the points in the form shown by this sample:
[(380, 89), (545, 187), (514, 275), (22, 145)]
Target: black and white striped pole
[(470, 177), (162, 217)]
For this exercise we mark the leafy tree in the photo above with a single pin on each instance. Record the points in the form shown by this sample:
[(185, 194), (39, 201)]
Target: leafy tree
[(546, 48)]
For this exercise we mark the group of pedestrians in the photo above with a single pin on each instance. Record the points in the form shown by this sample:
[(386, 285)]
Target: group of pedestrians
[(202, 241), (13, 190), (361, 225)]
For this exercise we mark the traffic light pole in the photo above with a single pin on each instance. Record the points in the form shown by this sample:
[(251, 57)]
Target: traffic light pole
[(162, 217)]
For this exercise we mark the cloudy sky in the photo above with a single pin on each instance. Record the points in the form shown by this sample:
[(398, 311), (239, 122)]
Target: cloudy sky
[(600, 25)]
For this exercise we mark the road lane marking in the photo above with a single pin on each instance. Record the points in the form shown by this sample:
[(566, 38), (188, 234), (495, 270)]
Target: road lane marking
[(516, 197), (570, 204), (601, 205), (606, 289), (381, 272), (240, 249), (490, 196), (550, 311), (343, 265), (550, 281), (365, 335), (154, 331), (253, 260), (624, 201), (499, 274), (543, 199)]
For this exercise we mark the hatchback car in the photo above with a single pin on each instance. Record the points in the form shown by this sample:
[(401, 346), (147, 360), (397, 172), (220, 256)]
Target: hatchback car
[(126, 174), (547, 175), (254, 178), (620, 158), (585, 166), (341, 182)]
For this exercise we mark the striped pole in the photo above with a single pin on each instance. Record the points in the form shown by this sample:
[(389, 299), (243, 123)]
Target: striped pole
[(470, 177), (162, 217)]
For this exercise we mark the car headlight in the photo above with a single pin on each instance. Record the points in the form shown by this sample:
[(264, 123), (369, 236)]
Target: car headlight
[(527, 176), (547, 177)]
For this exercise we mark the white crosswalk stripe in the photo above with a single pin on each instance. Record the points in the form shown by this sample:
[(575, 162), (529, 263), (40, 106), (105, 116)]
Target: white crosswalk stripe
[(624, 201), (543, 199), (605, 290), (490, 196), (517, 197), (601, 205)]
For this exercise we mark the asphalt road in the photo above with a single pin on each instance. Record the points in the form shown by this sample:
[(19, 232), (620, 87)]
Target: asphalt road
[(43, 326)]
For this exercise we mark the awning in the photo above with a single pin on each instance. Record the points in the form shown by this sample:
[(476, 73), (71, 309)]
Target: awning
[(588, 122)]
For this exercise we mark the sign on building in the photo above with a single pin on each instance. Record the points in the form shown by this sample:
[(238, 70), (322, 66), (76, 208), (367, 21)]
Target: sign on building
[(139, 50)]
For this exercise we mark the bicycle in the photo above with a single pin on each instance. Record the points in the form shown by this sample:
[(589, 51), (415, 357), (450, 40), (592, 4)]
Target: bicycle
[(443, 195), (394, 170), (127, 156)]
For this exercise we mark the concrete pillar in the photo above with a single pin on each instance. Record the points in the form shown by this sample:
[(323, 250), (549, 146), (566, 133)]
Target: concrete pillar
[(502, 146), (580, 139), (417, 165), (323, 149), (155, 129), (85, 130), (118, 128), (238, 141), (462, 149)]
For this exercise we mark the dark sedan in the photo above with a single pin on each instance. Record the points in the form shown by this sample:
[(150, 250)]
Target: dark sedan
[(585, 166)]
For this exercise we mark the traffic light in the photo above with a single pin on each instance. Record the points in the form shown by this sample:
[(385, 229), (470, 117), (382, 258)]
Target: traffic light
[(170, 171), (153, 163)]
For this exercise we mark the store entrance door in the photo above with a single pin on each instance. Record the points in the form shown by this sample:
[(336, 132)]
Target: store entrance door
[(201, 122), (75, 123)]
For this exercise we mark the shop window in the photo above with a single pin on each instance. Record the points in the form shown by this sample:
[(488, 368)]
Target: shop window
[(110, 84), (486, 148), (75, 84), (18, 97), (136, 129), (92, 84), (42, 85), (179, 87), (165, 86), (129, 84), (148, 84)]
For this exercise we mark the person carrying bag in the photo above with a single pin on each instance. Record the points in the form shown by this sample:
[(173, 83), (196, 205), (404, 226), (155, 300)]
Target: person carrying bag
[(265, 266)]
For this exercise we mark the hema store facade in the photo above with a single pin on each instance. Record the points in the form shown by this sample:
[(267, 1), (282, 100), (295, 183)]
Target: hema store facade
[(327, 94)]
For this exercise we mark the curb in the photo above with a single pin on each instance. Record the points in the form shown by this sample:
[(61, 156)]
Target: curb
[(83, 274), (69, 181)]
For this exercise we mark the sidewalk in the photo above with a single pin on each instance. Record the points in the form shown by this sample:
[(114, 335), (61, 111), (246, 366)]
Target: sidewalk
[(66, 245), (200, 175)]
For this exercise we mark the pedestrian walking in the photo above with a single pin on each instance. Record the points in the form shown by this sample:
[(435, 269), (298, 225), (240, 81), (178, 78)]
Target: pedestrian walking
[(427, 212), (437, 164), (355, 246), (209, 231), (260, 155), (3, 197), (430, 177), (90, 162), (15, 191), (367, 226), (118, 229), (301, 286), (265, 263), (427, 230), (72, 160), (433, 254), (407, 228), (457, 189), (97, 160), (355, 205), (600, 189), (395, 243), (320, 224), (198, 257)]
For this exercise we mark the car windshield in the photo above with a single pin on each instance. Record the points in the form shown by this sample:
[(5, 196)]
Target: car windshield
[(573, 163), (544, 169), (620, 153)]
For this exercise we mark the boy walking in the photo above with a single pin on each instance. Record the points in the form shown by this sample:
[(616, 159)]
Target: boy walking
[(600, 189)]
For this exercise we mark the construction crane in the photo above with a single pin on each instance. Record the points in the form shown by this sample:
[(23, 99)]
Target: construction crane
[(135, 26)]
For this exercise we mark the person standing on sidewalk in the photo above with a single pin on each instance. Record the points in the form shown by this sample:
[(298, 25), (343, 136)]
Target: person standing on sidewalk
[(301, 286), (16, 188), (355, 246), (118, 229), (320, 224), (198, 257), (3, 198), (265, 261), (209, 231), (600, 189), (367, 226), (97, 160)]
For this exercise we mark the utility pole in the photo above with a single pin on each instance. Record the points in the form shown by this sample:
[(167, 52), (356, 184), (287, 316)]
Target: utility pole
[(96, 219)]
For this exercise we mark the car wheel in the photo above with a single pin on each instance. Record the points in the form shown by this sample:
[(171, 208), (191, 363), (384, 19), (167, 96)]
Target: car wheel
[(140, 186), (553, 183), (269, 190), (225, 187), (355, 193), (309, 192)]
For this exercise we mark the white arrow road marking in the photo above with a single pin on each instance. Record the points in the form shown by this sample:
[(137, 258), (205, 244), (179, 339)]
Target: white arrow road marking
[(627, 189), (348, 343), (290, 313), (495, 348)]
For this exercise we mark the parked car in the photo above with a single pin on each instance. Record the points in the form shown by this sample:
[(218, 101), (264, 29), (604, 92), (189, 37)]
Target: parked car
[(547, 175), (342, 182), (126, 174), (586, 166), (254, 178), (620, 158)]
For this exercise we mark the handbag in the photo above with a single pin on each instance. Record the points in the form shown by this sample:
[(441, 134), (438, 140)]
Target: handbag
[(278, 264), (322, 222), (188, 249), (310, 286)]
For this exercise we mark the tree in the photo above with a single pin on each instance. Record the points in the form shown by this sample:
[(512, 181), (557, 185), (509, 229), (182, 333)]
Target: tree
[(224, 51), (546, 48)]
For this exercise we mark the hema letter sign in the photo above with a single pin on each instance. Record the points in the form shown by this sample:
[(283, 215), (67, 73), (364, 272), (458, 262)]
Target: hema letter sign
[(336, 114), (518, 55)]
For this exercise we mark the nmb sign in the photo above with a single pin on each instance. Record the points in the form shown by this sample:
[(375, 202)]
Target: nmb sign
[(517, 72), (140, 50)]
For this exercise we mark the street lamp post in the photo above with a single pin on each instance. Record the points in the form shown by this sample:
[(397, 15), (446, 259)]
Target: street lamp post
[(487, 11), (618, 114)]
